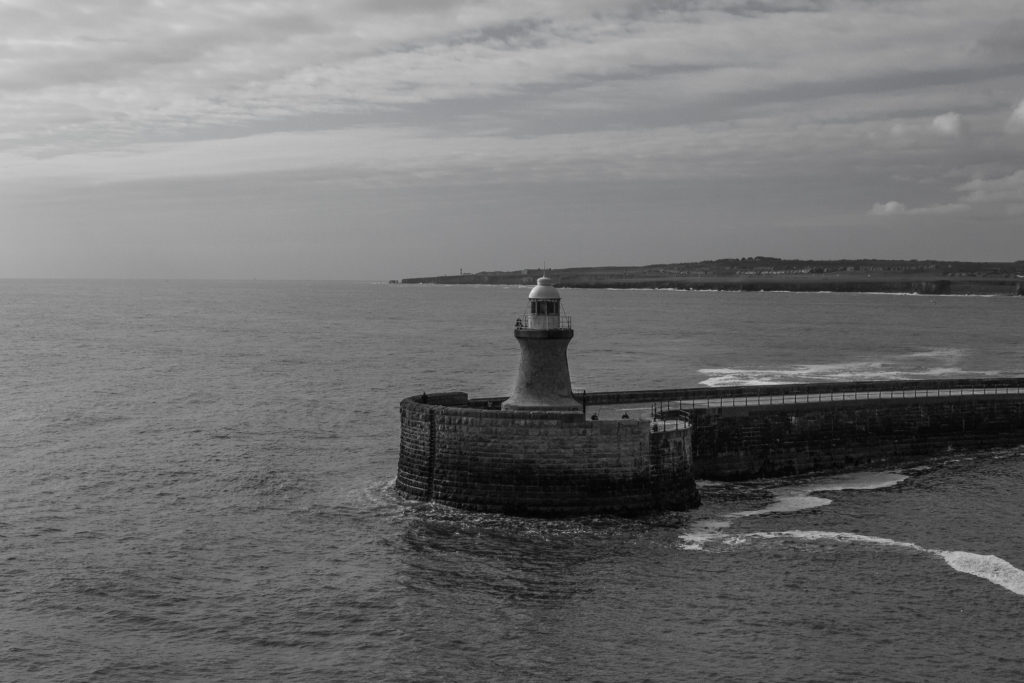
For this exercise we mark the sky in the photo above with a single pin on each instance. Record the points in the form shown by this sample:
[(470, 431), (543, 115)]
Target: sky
[(380, 139)]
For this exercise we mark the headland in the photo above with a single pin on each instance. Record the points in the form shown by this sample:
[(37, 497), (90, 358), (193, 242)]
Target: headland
[(762, 273)]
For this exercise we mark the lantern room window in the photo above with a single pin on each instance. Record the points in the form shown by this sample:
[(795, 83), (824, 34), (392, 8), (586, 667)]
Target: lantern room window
[(544, 307)]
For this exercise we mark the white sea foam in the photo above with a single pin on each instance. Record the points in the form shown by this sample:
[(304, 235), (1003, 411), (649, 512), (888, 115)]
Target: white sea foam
[(989, 567), (726, 377), (702, 532), (852, 372), (797, 497), (953, 353), (853, 481), (929, 363), (793, 503), (789, 499), (840, 536)]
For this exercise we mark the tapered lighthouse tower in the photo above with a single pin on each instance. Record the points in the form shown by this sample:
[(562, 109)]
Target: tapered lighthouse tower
[(544, 335)]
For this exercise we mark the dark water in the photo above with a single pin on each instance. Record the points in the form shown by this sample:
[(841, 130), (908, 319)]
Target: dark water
[(195, 481)]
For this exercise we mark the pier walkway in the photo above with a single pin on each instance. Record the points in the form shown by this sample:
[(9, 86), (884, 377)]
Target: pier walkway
[(669, 409), (833, 395), (745, 432)]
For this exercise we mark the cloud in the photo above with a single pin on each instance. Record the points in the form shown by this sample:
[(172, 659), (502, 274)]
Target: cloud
[(893, 208), (380, 154), (102, 74), (950, 124), (1015, 124), (469, 91), (1005, 190), (923, 130), (1005, 194), (888, 208)]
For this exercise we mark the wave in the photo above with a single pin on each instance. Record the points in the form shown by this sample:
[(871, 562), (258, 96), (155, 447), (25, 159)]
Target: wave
[(946, 353), (794, 498), (988, 567), (840, 536), (927, 364), (791, 498)]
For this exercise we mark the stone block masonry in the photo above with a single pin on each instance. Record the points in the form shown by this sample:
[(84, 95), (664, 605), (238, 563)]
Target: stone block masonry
[(736, 443), (539, 463), (469, 454), (745, 432)]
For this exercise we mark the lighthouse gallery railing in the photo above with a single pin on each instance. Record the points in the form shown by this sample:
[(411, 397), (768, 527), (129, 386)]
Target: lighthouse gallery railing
[(544, 322)]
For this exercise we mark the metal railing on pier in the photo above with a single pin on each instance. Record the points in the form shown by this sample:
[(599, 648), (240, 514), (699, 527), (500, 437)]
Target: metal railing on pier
[(830, 394), (667, 416), (701, 398)]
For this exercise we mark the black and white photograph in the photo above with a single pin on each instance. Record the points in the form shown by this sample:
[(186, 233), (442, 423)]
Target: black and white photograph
[(476, 340)]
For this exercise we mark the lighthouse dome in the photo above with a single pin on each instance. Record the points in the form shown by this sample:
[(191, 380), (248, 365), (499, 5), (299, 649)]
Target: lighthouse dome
[(544, 289)]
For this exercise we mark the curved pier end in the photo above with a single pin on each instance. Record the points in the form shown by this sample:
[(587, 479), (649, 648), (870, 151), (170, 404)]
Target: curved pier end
[(538, 455), (539, 463)]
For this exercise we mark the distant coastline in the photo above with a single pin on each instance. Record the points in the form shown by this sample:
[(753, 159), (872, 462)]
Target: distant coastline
[(761, 273)]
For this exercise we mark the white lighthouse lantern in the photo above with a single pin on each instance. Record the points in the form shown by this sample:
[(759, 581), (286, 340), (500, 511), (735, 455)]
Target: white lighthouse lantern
[(545, 307)]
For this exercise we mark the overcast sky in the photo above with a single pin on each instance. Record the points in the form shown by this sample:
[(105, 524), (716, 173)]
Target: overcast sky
[(376, 139)]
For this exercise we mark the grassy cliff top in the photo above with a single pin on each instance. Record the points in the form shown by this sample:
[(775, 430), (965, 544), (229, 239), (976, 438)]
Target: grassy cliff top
[(767, 273)]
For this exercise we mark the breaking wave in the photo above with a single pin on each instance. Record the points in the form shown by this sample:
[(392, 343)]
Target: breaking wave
[(988, 567), (929, 364), (790, 499), (794, 498)]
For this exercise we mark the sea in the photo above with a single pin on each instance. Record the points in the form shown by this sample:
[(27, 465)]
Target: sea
[(197, 484)]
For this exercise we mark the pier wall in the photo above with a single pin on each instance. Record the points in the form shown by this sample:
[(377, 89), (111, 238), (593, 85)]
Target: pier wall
[(778, 440), (468, 453), (539, 463), (825, 431)]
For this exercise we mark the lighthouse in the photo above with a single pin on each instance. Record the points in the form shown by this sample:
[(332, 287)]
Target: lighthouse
[(544, 335), (540, 455)]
